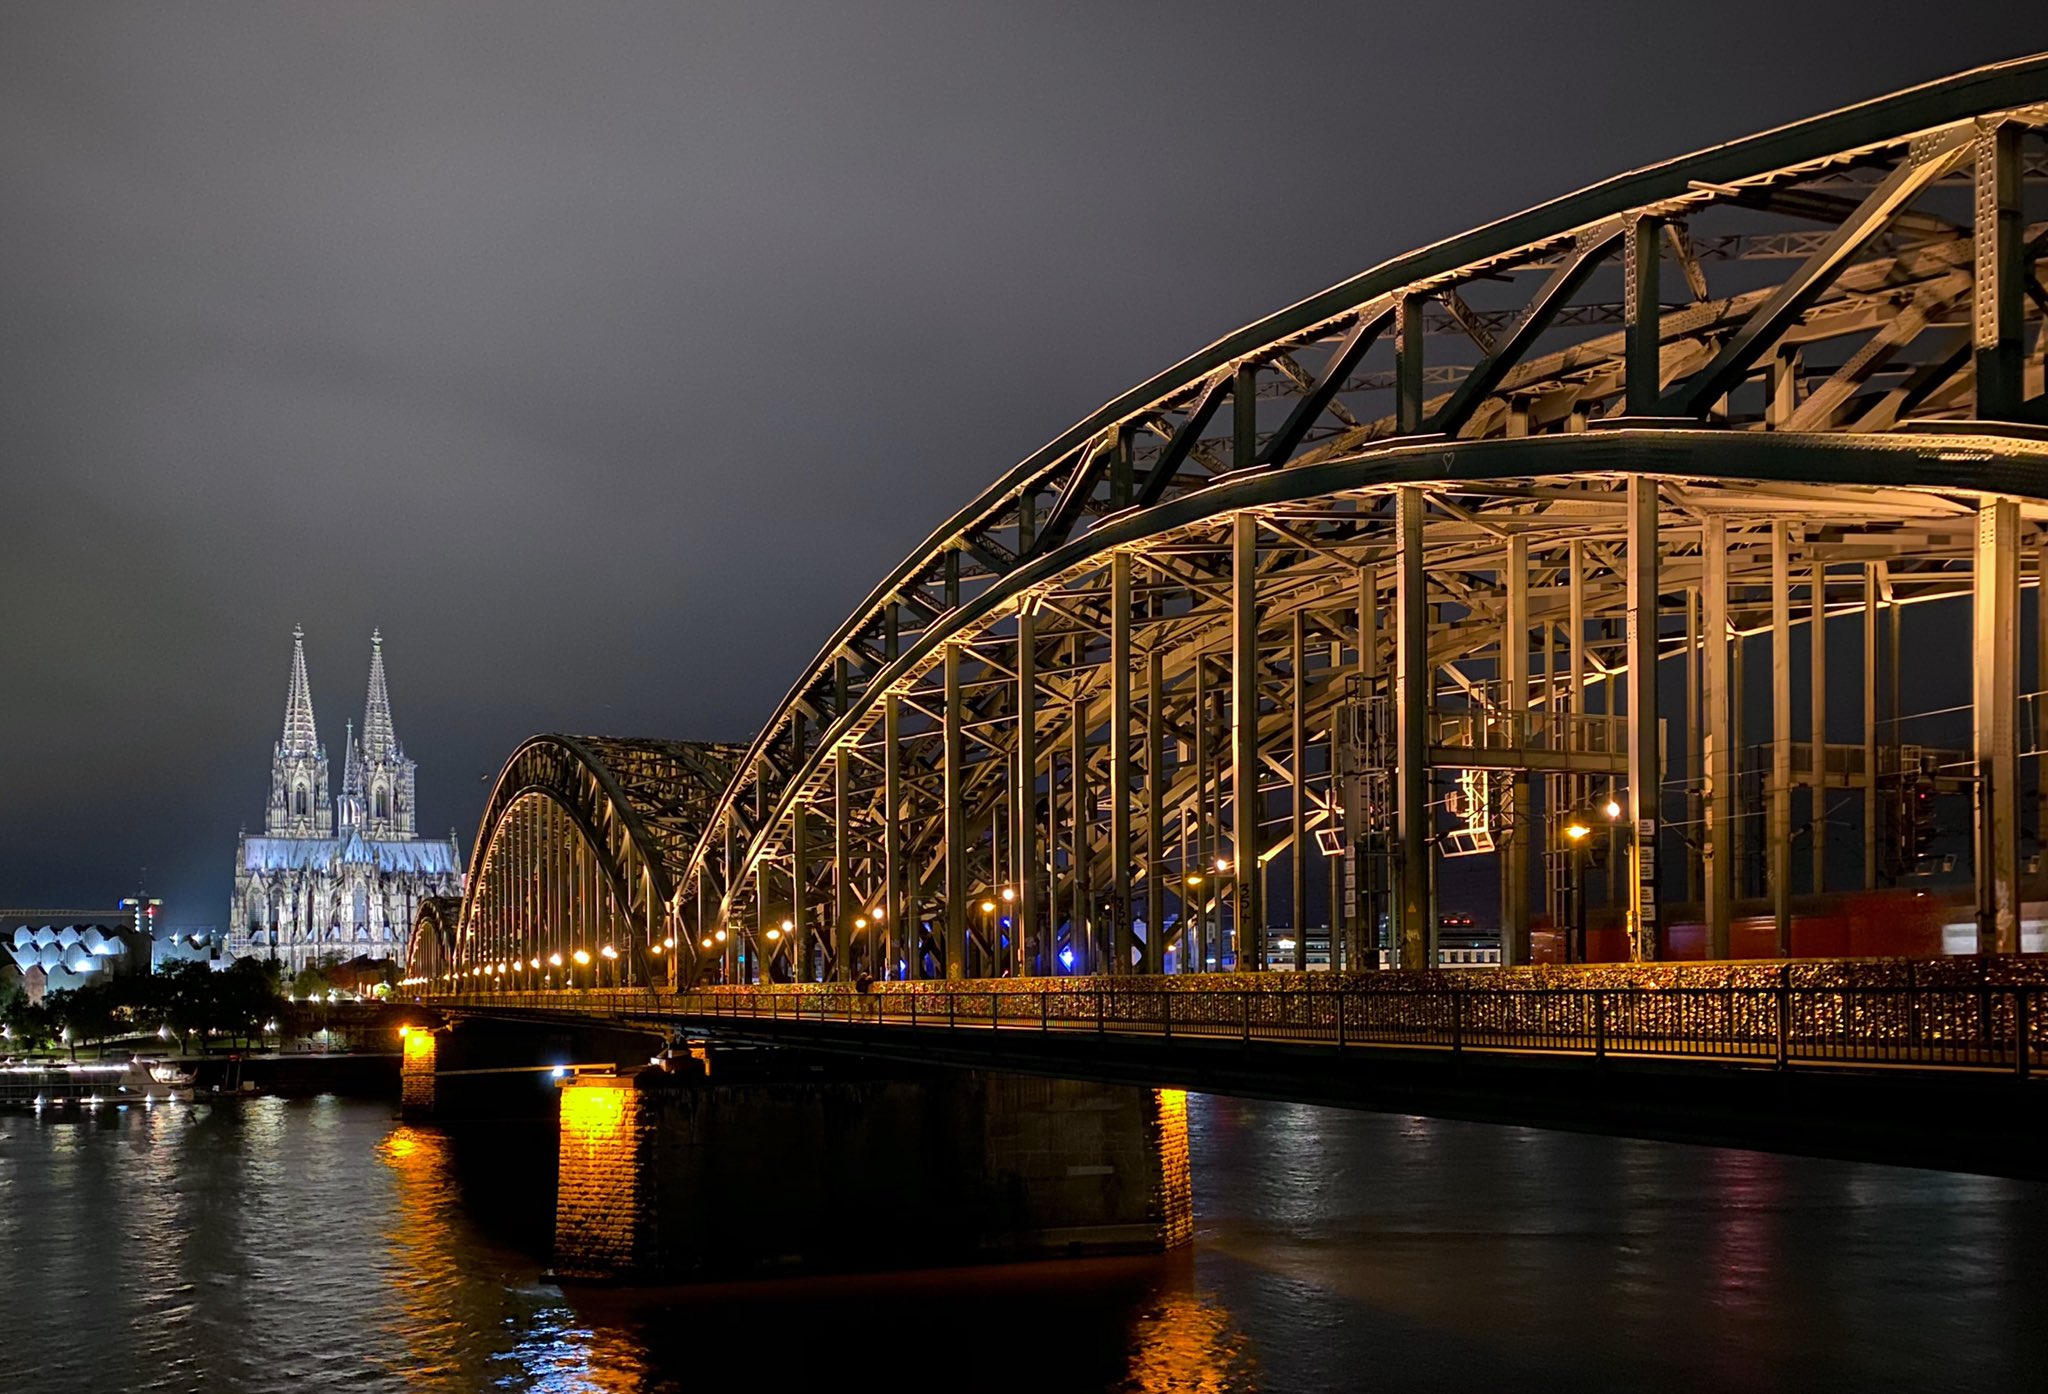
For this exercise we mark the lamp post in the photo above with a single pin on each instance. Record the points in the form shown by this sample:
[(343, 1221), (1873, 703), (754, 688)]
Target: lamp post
[(1008, 919), (1241, 933), (1578, 839)]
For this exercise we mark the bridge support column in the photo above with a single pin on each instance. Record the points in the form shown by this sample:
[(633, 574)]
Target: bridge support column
[(1996, 715), (1155, 810), (1778, 839), (967, 1168), (798, 937), (845, 905), (1297, 793), (899, 930), (1514, 664), (1117, 932), (1080, 884), (1870, 779), (2001, 274), (1817, 684), (954, 777), (1718, 739), (1645, 767), (1417, 918), (1249, 919)]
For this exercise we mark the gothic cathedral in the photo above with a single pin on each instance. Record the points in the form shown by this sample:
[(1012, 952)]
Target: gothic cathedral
[(337, 877)]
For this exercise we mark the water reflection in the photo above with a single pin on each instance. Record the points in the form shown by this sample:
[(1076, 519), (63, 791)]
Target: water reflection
[(1186, 1342), (423, 1252), (317, 1245)]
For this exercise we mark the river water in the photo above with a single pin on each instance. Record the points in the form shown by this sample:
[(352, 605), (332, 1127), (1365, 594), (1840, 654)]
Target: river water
[(317, 1245)]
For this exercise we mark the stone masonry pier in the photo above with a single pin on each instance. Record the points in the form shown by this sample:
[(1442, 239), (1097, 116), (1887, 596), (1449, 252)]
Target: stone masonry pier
[(796, 1164)]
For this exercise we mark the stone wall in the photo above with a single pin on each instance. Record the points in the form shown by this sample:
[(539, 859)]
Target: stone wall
[(605, 1220), (417, 1090)]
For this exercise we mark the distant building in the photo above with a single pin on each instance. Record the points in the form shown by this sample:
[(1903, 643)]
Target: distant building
[(189, 943), (336, 877), (52, 949)]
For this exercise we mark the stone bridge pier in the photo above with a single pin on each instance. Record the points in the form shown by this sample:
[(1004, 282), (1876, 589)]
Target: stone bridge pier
[(759, 1162), (734, 1161)]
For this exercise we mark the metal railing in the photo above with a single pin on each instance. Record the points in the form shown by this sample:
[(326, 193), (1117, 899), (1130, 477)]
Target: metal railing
[(1979, 1027)]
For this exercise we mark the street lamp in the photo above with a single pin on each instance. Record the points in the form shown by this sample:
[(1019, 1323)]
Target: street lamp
[(1578, 833)]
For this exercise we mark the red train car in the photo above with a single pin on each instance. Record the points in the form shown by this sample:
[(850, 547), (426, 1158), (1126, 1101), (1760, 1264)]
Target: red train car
[(1902, 922)]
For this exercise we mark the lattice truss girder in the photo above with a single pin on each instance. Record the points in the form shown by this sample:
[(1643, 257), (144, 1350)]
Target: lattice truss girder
[(577, 852), (1322, 562), (1875, 269)]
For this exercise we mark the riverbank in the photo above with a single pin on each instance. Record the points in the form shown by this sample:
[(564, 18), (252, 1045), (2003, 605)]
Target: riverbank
[(152, 1079)]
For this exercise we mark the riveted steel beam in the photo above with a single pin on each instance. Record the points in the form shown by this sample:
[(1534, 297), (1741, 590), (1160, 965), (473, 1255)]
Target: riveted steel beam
[(1248, 921), (1994, 721), (1416, 924), (1920, 167)]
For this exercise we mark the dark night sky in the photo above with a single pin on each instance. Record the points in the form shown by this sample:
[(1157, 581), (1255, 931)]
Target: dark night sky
[(606, 355)]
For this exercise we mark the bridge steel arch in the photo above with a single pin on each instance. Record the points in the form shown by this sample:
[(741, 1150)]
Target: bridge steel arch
[(1391, 576), (430, 953), (573, 873)]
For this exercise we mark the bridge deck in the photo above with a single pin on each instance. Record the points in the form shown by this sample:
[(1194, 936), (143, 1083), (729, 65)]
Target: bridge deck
[(1933, 1064), (1980, 1027)]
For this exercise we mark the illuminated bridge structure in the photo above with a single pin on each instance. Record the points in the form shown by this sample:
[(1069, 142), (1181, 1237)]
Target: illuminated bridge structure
[(1652, 561)]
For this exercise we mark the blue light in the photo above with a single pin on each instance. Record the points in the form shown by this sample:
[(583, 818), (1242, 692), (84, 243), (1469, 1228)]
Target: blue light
[(559, 1071), (1067, 959), (1005, 922)]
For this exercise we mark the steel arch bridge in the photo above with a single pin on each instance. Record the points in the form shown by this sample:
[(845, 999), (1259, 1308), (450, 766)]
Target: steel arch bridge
[(575, 860), (1459, 560)]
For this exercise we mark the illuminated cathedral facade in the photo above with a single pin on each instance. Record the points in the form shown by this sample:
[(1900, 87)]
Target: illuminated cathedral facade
[(337, 877)]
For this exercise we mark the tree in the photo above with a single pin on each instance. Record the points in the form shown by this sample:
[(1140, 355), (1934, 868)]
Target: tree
[(310, 985), (29, 1027), (84, 1014), (184, 997), (246, 996)]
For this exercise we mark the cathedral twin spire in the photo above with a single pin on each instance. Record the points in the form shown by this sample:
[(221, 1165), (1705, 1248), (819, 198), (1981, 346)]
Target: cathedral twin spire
[(301, 736), (377, 780)]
